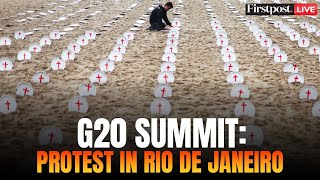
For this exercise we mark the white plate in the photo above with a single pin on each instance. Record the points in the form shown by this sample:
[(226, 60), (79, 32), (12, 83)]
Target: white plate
[(63, 18), (143, 18), (134, 5), (104, 29), (80, 11), (291, 20), (140, 21), (37, 29), (110, 22), (138, 25), (74, 25), (285, 17), (68, 29), (22, 20), (28, 33), (134, 29)]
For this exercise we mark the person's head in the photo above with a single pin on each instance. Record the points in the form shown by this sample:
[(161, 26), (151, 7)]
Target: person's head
[(168, 6)]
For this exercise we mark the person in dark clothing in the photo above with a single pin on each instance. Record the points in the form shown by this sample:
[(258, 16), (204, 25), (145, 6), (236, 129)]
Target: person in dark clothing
[(159, 14)]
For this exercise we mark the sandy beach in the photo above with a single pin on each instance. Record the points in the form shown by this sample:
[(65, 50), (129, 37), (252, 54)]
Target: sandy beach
[(200, 88)]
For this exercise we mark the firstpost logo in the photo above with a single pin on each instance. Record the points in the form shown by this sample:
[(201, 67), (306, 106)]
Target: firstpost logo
[(281, 9)]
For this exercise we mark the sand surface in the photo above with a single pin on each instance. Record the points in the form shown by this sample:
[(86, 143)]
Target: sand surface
[(200, 88)]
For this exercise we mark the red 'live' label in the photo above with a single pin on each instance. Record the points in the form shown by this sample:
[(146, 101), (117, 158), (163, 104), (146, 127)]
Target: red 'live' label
[(305, 9)]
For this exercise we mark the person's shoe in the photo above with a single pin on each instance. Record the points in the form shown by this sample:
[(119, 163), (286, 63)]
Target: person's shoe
[(150, 28)]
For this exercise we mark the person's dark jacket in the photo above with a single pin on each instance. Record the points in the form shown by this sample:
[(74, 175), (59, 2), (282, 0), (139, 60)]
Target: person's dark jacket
[(158, 14)]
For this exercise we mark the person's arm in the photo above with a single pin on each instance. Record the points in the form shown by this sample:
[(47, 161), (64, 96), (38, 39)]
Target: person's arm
[(165, 18)]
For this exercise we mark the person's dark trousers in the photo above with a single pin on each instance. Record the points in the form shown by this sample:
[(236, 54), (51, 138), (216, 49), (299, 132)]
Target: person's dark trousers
[(157, 26)]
